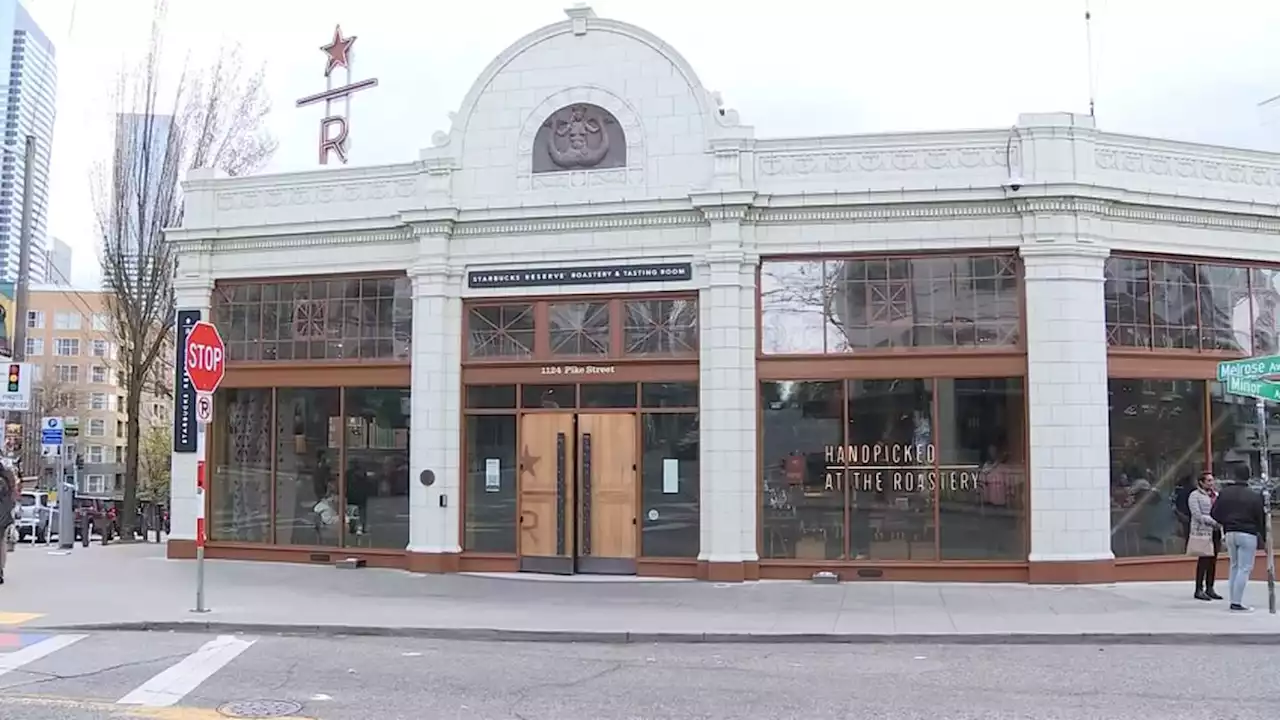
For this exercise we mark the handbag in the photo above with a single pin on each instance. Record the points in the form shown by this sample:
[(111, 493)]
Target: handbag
[(1200, 545)]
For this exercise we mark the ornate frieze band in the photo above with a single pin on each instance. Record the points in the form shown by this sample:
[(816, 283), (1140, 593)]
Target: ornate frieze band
[(891, 160), (1187, 167), (349, 192)]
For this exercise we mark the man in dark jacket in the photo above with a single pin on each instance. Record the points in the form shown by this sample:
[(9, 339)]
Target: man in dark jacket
[(1242, 514)]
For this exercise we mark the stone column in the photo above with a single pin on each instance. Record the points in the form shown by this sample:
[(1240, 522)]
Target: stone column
[(434, 422), (727, 403), (1069, 465), (191, 292)]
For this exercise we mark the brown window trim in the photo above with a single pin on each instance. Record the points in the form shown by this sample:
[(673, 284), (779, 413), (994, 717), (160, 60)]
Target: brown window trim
[(902, 365), (1019, 346), (541, 352)]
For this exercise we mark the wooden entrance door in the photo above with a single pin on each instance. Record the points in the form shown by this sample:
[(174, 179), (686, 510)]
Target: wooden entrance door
[(607, 488), (546, 493)]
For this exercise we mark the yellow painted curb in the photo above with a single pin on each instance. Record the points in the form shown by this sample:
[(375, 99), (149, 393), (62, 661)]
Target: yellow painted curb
[(18, 618)]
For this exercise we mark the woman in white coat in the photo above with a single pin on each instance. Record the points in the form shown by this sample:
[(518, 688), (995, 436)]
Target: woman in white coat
[(1205, 537)]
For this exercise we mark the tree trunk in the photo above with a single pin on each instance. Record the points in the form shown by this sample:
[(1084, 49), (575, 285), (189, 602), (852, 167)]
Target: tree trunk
[(133, 435)]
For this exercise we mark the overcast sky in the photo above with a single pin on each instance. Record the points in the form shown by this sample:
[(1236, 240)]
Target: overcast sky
[(1185, 69)]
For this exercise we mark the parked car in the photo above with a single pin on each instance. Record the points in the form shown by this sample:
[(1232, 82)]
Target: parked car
[(98, 515), (34, 515)]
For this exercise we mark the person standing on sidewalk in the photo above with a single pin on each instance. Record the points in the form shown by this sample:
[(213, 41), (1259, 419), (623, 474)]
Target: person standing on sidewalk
[(8, 500), (1242, 515), (1204, 537)]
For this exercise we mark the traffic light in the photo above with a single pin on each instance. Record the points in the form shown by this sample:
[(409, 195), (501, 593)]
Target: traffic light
[(15, 372)]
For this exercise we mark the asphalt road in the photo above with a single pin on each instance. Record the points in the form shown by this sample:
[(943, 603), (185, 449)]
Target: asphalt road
[(386, 679)]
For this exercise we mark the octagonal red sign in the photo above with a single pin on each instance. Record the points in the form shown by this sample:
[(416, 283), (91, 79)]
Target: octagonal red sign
[(206, 357)]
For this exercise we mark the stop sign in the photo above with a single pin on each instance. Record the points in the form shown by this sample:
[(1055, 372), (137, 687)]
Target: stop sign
[(206, 357)]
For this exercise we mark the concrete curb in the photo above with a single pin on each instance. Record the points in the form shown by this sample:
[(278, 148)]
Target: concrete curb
[(606, 637)]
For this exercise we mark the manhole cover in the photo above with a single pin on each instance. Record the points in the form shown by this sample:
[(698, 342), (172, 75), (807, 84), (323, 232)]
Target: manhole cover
[(259, 708)]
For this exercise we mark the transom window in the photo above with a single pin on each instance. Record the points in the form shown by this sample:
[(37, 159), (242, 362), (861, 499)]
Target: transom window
[(367, 318), (570, 328), (1173, 305), (862, 304)]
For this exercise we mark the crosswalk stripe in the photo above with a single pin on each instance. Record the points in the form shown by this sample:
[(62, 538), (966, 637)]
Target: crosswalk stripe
[(173, 684), (13, 660)]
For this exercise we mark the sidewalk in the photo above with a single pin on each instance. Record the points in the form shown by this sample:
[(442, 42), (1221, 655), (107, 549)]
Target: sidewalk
[(135, 587)]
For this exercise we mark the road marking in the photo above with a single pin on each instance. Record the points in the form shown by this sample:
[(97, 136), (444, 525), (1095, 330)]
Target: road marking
[(13, 660), (17, 618), (173, 684), (115, 711)]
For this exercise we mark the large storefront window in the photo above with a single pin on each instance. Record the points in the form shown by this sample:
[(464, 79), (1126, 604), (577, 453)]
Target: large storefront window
[(1157, 450), (322, 319), (865, 304), (1191, 306), (1234, 441), (663, 418), (891, 470), (240, 496), (312, 467)]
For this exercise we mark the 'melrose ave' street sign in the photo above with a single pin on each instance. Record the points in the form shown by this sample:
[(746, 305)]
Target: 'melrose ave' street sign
[(1254, 388), (1249, 368)]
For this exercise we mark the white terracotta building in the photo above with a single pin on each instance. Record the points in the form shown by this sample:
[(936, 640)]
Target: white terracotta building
[(897, 352)]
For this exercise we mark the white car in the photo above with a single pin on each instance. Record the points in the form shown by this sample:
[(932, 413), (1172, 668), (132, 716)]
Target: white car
[(33, 515)]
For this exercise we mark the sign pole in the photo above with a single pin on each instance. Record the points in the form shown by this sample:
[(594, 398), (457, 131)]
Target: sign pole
[(200, 532), (1264, 465)]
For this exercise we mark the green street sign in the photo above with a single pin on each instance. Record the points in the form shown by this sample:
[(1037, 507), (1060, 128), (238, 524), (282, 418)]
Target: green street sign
[(1249, 368), (1254, 388)]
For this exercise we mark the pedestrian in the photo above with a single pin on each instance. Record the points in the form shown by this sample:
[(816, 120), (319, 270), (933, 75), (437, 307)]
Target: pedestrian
[(1242, 515), (8, 500), (1204, 536)]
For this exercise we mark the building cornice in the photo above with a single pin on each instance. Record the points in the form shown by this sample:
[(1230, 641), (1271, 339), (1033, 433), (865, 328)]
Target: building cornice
[(839, 210)]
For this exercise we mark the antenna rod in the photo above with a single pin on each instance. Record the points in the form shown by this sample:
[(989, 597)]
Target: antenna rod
[(1088, 38)]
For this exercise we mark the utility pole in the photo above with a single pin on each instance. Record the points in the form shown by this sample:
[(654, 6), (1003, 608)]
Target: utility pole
[(22, 300)]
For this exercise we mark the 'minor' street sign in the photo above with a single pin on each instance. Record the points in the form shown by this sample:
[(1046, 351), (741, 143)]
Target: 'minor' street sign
[(1254, 388), (1250, 368)]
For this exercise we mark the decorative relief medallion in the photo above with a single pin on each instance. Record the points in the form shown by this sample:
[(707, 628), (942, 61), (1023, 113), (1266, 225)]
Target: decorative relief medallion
[(579, 137)]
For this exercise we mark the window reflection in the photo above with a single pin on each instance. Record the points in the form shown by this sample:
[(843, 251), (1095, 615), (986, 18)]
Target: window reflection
[(660, 327), (803, 514), (891, 457), (1234, 434), (792, 299), (309, 510), (490, 523), (982, 472), (240, 494), (1190, 306), (670, 488), (856, 304), (1157, 450), (377, 472)]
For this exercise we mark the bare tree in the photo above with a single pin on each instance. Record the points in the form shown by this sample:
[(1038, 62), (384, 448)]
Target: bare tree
[(214, 117)]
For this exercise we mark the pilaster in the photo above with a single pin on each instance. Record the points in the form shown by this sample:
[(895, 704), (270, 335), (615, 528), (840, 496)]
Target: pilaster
[(727, 399), (1067, 397), (192, 291), (436, 404)]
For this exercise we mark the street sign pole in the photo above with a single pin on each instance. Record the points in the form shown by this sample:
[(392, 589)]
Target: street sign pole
[(200, 531), (1264, 464), (66, 507), (205, 363)]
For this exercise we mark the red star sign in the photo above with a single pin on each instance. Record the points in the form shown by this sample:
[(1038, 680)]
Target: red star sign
[(339, 51)]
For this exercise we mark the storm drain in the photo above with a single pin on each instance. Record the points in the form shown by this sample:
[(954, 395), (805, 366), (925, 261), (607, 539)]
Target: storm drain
[(259, 708)]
